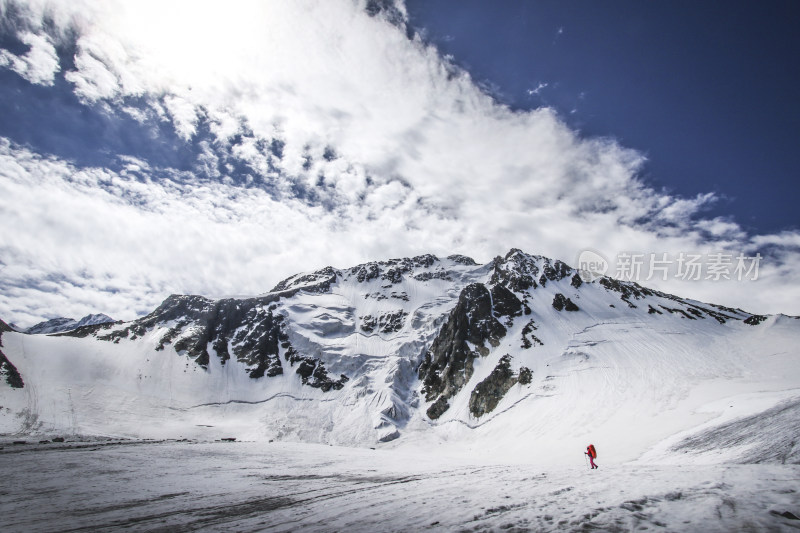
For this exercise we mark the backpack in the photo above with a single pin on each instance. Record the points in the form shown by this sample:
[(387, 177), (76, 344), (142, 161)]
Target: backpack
[(592, 451)]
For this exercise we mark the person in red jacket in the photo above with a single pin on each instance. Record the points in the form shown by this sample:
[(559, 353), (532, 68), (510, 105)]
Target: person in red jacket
[(592, 453)]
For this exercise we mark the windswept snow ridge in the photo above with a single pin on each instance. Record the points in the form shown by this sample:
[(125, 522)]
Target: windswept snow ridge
[(521, 356)]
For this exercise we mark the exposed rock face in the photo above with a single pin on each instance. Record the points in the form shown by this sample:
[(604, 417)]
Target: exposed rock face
[(313, 373), (427, 276), (197, 322), (556, 270), (12, 375), (448, 365), (437, 408), (462, 259), (692, 311), (516, 271), (481, 318), (367, 272), (561, 302), (528, 338), (505, 304), (488, 393), (7, 369), (258, 333), (684, 313), (393, 270), (626, 290), (385, 323), (248, 330), (388, 437), (755, 320), (319, 282)]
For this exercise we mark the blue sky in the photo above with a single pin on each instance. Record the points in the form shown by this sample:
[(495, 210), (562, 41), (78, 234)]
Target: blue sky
[(707, 90), (150, 148)]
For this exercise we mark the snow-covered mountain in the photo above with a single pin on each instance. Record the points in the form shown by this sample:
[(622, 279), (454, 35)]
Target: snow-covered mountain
[(61, 324), (520, 355)]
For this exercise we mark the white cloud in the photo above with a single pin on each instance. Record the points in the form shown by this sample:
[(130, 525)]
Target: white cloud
[(426, 162), (184, 116), (539, 88), (38, 65), (787, 239), (110, 242)]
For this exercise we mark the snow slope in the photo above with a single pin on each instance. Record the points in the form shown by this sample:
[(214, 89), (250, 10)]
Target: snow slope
[(361, 356)]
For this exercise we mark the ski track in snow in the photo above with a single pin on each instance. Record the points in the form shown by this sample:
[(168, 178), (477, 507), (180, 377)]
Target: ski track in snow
[(253, 402), (185, 486)]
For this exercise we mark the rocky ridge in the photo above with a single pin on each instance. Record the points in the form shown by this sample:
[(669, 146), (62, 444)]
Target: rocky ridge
[(62, 324)]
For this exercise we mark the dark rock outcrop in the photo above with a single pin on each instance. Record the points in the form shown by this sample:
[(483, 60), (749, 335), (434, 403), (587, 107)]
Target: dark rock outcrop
[(516, 271), (505, 303), (462, 259), (561, 303), (393, 270), (688, 309), (755, 320), (436, 274), (7, 369), (393, 275), (385, 323), (488, 393), (313, 373), (626, 289), (556, 271), (681, 312), (528, 338), (12, 375), (319, 282), (437, 408), (249, 330), (367, 272), (448, 364)]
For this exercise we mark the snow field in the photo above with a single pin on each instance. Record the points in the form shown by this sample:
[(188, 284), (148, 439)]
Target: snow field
[(254, 486)]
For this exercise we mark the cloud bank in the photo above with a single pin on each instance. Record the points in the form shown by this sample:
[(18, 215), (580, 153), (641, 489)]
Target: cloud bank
[(217, 151)]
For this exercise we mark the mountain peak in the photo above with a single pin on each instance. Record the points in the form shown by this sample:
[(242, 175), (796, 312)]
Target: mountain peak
[(62, 324)]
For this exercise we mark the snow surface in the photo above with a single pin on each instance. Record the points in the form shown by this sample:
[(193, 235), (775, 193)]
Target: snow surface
[(257, 486)]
